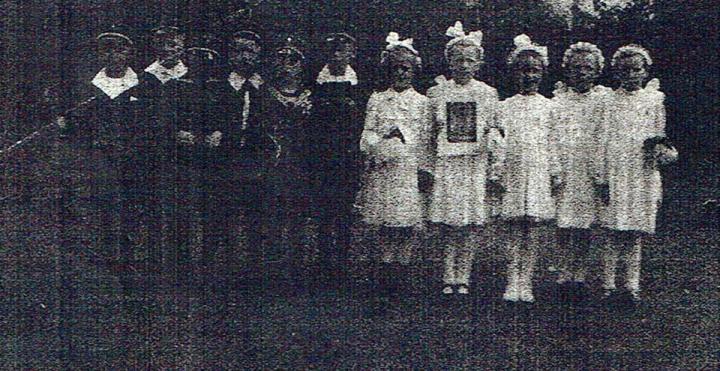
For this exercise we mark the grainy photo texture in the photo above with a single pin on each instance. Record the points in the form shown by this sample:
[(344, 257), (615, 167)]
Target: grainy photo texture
[(461, 184)]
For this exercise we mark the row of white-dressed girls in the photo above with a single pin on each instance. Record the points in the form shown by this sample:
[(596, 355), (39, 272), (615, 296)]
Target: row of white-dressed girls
[(588, 157)]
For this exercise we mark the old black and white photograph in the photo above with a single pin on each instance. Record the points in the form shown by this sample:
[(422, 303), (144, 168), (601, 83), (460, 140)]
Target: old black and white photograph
[(346, 184)]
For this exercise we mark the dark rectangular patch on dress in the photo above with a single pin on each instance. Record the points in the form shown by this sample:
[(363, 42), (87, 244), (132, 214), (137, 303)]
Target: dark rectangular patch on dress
[(461, 122)]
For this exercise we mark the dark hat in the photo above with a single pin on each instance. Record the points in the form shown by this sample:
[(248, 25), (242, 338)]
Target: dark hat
[(206, 43), (242, 10), (119, 32), (166, 30), (290, 43), (340, 38), (247, 35)]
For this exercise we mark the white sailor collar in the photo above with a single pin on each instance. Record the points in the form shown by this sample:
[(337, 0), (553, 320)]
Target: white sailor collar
[(325, 76), (237, 81), (113, 87), (166, 74)]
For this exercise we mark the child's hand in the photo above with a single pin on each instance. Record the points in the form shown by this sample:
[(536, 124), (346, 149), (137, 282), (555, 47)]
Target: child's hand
[(185, 137), (665, 154), (425, 181), (395, 133), (603, 193), (61, 122), (213, 140), (556, 186), (649, 149), (495, 188)]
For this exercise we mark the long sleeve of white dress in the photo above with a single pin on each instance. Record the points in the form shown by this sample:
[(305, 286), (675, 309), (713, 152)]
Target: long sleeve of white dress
[(389, 193), (635, 185)]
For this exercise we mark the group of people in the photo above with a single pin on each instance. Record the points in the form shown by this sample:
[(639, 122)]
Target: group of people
[(205, 156)]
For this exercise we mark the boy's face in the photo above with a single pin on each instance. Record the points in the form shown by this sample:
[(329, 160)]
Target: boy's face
[(169, 45), (631, 72), (197, 62), (114, 52), (289, 64), (529, 70), (581, 71), (244, 55), (464, 62), (341, 56)]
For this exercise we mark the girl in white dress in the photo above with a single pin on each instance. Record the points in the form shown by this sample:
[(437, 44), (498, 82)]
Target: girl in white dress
[(579, 109), (634, 146), (394, 143), (463, 111), (531, 166)]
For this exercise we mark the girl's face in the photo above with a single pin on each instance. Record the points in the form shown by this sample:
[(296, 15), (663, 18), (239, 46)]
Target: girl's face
[(402, 73), (581, 71), (114, 53), (289, 64), (244, 55), (464, 62), (631, 72), (528, 69)]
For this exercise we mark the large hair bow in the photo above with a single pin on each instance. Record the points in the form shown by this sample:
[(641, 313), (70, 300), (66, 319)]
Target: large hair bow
[(458, 33), (523, 42), (393, 40)]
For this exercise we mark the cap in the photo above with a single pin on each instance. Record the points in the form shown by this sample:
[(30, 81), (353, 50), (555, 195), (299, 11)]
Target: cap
[(166, 30), (340, 38), (119, 32), (290, 43), (247, 35)]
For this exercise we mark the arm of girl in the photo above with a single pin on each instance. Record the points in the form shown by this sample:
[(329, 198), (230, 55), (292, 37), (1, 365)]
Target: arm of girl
[(496, 143), (664, 152)]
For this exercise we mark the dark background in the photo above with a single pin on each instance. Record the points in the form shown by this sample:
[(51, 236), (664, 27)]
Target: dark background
[(46, 52)]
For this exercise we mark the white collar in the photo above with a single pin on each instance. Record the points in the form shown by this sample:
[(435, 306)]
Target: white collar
[(349, 76), (166, 74), (470, 84), (408, 94), (113, 87), (237, 81)]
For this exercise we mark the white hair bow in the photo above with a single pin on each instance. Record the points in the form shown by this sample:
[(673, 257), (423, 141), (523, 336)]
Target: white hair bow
[(393, 40), (523, 42), (457, 32)]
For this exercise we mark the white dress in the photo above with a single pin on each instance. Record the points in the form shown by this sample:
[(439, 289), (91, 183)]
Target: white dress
[(635, 188), (530, 157), (576, 120), (389, 194), (460, 168)]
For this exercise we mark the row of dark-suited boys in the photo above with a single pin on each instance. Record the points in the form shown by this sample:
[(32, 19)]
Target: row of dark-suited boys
[(199, 161)]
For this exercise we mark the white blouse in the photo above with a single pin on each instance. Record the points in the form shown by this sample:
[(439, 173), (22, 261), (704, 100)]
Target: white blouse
[(530, 158)]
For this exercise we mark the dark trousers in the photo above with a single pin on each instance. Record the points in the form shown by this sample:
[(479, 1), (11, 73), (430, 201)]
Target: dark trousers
[(288, 250), (121, 229), (335, 198)]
